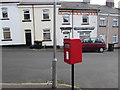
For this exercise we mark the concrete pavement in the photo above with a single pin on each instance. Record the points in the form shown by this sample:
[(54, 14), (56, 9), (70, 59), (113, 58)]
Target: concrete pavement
[(35, 86)]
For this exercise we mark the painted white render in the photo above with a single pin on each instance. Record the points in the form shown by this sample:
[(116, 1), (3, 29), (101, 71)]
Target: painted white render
[(77, 22), (26, 25), (13, 23), (37, 24)]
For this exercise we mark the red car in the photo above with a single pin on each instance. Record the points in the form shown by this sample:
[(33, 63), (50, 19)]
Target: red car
[(93, 45)]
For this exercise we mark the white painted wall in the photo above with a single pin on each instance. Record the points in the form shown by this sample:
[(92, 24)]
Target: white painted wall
[(13, 23), (38, 25), (77, 22), (18, 27), (26, 25)]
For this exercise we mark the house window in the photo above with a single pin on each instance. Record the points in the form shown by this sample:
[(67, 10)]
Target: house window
[(102, 22), (46, 14), (115, 39), (4, 13), (6, 33), (66, 18), (84, 35), (26, 15), (115, 22), (85, 19), (46, 34), (66, 34)]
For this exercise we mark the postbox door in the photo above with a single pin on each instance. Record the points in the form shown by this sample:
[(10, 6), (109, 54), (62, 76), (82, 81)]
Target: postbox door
[(67, 52)]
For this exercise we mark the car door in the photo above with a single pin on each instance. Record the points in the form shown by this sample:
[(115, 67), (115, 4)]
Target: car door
[(86, 45)]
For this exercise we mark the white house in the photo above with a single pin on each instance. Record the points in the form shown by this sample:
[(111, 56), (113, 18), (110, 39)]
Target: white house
[(10, 33), (37, 20), (22, 23), (78, 20)]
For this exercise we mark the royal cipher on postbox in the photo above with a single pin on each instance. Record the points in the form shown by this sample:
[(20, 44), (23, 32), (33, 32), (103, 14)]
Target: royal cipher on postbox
[(72, 51)]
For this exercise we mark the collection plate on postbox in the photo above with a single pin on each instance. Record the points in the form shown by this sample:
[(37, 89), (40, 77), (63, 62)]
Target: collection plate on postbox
[(72, 51)]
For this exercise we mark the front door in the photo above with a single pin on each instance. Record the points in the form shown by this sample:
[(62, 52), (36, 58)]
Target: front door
[(28, 37)]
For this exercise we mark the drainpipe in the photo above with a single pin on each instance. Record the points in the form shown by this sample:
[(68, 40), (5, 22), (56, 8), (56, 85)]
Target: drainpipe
[(33, 21), (72, 25), (107, 32), (98, 9), (97, 24), (98, 20)]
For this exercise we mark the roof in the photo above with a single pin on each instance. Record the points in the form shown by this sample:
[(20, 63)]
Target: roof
[(39, 2), (85, 6)]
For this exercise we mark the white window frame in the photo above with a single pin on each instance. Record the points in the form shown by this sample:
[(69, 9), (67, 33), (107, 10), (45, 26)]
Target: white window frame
[(46, 12), (46, 31), (6, 30), (26, 12), (4, 11), (102, 22), (85, 16), (83, 35), (68, 18), (115, 39), (115, 22), (66, 34)]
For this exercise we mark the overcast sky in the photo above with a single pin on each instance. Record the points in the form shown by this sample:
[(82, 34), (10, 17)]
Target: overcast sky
[(102, 2)]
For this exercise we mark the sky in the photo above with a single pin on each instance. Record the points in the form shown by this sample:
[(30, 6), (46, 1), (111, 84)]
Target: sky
[(101, 2)]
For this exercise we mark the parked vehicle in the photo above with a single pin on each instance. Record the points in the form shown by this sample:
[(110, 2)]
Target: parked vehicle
[(93, 45)]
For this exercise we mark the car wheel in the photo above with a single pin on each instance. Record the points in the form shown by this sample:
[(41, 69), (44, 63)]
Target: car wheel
[(101, 50)]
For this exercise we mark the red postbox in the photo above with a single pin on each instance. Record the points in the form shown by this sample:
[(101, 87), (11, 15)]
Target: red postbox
[(72, 51)]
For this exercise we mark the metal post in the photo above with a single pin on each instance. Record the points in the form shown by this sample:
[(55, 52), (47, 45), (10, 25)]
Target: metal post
[(54, 73), (72, 68), (72, 77)]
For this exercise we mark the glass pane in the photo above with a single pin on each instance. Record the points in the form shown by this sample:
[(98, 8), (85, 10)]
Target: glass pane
[(26, 11), (4, 9), (45, 16), (102, 22), (46, 36), (65, 19), (5, 15), (46, 30), (45, 10), (85, 20), (7, 35), (26, 16), (115, 23)]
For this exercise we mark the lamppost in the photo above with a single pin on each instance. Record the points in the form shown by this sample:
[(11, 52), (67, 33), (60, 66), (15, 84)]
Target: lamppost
[(54, 73)]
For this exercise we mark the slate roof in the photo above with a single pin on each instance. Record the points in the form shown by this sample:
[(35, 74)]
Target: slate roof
[(85, 6)]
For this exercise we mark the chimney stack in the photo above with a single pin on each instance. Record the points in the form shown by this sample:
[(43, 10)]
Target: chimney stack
[(86, 1), (110, 3)]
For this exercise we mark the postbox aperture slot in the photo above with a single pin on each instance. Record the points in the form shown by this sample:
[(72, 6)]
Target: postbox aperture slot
[(67, 45)]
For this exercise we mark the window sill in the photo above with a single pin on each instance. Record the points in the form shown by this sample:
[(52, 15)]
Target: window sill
[(102, 25), (115, 42), (115, 26), (85, 24), (65, 23), (6, 40), (46, 40), (5, 19), (26, 20), (46, 20)]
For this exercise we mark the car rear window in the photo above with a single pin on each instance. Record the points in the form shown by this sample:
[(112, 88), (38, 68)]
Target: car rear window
[(93, 41)]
